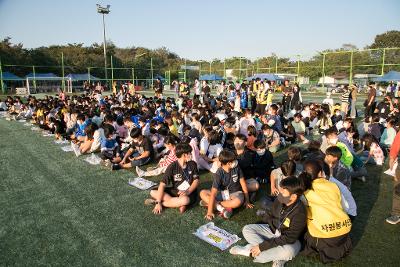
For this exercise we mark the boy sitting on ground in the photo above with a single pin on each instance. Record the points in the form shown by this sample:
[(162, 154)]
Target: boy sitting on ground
[(229, 188), (140, 152), (170, 145), (276, 239), (178, 188)]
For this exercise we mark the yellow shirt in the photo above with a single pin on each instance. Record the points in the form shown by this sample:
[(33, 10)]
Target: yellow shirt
[(269, 98), (326, 217)]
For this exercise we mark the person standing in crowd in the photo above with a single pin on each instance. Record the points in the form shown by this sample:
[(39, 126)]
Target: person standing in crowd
[(158, 88), (287, 92), (253, 94), (345, 101), (370, 103), (297, 98), (353, 96), (262, 95), (394, 218)]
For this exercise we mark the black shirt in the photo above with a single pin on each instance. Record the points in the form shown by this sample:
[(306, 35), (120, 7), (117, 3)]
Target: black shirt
[(175, 175), (245, 161), (143, 146), (263, 165), (228, 181), (383, 109), (290, 220)]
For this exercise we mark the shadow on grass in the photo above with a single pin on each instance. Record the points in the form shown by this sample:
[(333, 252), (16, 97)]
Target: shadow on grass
[(365, 195)]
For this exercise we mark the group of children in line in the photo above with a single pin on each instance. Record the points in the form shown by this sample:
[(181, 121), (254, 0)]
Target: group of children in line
[(311, 204)]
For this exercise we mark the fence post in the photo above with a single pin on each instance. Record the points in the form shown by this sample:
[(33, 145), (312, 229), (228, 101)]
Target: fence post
[(298, 67), (34, 78), (383, 61), (112, 72), (351, 67), (88, 71), (257, 66), (323, 71), (63, 72), (133, 76), (1, 79), (152, 71), (224, 70), (240, 68), (184, 78), (199, 69)]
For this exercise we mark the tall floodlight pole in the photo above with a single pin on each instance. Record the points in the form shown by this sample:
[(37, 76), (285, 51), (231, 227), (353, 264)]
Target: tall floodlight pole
[(104, 11)]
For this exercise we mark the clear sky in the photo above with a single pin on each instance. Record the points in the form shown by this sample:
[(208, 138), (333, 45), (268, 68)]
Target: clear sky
[(203, 29)]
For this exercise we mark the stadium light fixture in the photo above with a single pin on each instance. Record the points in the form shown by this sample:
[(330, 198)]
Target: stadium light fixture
[(104, 11)]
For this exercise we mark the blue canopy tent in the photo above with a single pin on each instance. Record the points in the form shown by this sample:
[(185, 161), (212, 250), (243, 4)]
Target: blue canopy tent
[(388, 77), (211, 77), (10, 80), (43, 76), (8, 76), (265, 76), (81, 77)]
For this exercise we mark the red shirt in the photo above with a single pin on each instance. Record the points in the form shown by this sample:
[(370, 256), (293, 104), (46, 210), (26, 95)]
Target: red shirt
[(395, 148)]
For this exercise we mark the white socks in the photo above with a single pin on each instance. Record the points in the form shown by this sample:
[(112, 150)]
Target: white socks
[(219, 207)]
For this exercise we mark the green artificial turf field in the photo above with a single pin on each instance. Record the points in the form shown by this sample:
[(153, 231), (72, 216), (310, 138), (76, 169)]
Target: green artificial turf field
[(57, 209)]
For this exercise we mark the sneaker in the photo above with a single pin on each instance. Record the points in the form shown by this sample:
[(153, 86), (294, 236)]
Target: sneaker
[(76, 149), (394, 219), (203, 204), (139, 171), (226, 213), (260, 212), (278, 263), (362, 179), (149, 202), (240, 250), (115, 167), (106, 163)]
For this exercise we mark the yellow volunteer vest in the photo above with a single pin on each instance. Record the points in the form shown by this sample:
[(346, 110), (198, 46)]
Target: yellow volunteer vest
[(262, 97), (325, 215)]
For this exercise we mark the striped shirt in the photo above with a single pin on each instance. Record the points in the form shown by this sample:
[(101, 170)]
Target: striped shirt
[(166, 161), (345, 96)]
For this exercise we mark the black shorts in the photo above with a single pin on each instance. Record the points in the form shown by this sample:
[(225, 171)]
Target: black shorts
[(174, 193)]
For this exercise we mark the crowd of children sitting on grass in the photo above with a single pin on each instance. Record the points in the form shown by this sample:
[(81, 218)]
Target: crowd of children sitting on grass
[(312, 207)]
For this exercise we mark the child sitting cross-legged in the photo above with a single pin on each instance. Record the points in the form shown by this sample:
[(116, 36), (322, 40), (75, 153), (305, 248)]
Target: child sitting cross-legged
[(168, 159), (229, 189), (178, 188)]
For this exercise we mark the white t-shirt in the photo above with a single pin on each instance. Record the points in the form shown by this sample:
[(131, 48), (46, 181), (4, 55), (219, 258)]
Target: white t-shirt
[(244, 123), (347, 200), (328, 101), (278, 176), (204, 144), (213, 151), (3, 105), (97, 137)]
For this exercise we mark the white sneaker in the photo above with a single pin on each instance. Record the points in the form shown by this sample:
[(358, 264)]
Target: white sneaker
[(76, 149), (139, 172), (278, 263), (241, 250)]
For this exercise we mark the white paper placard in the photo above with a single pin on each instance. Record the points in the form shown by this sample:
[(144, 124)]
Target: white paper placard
[(216, 236), (141, 183)]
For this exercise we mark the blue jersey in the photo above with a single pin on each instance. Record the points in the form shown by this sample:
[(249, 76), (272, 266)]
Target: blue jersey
[(80, 130)]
